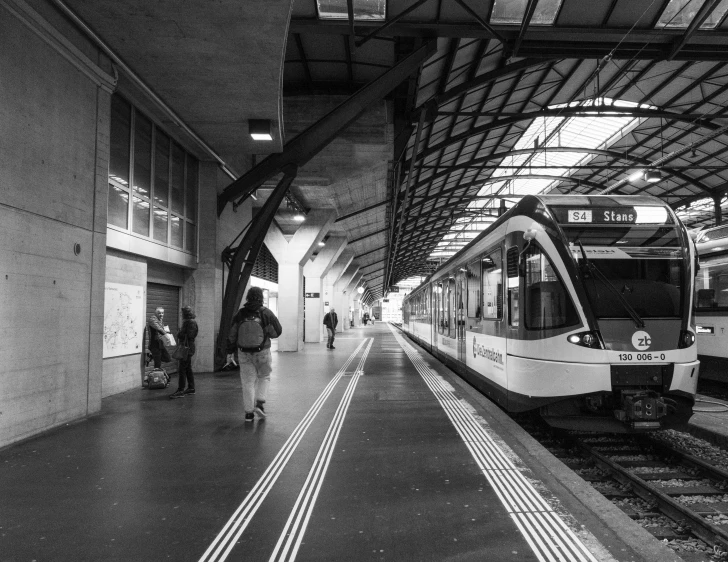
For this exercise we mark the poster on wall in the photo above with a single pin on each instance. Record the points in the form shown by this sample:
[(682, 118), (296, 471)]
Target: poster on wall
[(123, 319)]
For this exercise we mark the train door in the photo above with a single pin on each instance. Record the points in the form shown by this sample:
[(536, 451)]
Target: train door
[(512, 303), (460, 299)]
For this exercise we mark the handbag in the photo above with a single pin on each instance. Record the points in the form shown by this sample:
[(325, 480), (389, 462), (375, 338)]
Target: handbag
[(182, 351)]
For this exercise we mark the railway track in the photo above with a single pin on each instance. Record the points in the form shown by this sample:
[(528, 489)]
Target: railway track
[(676, 496)]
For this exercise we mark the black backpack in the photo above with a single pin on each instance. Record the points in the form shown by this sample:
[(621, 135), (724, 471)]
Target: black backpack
[(251, 331)]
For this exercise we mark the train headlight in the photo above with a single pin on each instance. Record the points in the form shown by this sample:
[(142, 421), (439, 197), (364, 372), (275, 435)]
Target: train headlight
[(686, 339), (586, 339)]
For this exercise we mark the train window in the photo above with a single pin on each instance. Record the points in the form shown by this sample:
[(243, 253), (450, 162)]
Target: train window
[(440, 308), (711, 285), (628, 236), (450, 310), (493, 285), (547, 303), (474, 289), (652, 287)]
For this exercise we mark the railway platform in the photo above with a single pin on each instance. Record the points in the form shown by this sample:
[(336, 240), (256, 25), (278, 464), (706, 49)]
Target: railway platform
[(371, 451)]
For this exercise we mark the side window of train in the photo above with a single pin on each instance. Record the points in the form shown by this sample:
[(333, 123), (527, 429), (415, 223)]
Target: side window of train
[(547, 303), (493, 285), (450, 318), (474, 304), (711, 286), (513, 289), (440, 307)]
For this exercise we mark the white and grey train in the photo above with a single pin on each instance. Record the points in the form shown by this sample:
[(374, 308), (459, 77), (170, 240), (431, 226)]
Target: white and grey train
[(578, 306), (711, 302)]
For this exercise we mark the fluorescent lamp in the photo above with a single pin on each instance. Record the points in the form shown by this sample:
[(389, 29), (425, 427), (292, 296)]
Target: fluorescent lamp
[(259, 129), (636, 176)]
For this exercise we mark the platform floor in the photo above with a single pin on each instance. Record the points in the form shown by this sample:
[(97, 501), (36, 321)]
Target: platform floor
[(371, 451)]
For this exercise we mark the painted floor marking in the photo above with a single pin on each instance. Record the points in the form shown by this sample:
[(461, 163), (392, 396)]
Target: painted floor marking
[(227, 538), (292, 535), (546, 533)]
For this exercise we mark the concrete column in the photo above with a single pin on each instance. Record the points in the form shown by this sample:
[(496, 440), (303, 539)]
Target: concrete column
[(341, 296), (291, 256), (315, 271), (354, 297)]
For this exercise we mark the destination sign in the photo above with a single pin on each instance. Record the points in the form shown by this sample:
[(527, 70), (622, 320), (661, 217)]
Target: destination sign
[(611, 215)]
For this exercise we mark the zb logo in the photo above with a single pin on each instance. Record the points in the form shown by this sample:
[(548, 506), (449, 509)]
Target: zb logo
[(641, 340)]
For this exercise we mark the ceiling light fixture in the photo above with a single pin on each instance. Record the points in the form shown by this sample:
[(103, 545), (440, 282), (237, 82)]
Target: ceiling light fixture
[(653, 176), (636, 176), (260, 129)]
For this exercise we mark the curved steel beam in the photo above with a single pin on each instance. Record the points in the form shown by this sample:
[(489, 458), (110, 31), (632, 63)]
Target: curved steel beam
[(607, 111), (503, 178), (483, 80), (599, 152)]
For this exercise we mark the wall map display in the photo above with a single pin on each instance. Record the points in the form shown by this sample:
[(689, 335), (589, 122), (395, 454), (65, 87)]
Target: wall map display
[(123, 319)]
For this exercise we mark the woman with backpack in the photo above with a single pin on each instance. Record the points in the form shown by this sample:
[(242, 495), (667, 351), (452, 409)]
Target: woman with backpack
[(253, 327)]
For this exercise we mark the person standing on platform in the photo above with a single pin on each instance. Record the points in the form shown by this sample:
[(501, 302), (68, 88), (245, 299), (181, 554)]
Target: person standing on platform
[(186, 336), (253, 327), (156, 338), (330, 321)]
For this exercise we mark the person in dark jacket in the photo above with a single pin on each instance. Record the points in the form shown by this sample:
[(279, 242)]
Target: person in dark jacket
[(330, 321), (255, 366), (186, 336), (156, 333)]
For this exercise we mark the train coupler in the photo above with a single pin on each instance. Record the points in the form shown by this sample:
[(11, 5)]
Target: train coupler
[(642, 409)]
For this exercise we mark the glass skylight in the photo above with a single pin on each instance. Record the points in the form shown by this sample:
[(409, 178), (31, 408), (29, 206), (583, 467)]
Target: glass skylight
[(680, 14), (511, 12), (363, 9), (594, 132)]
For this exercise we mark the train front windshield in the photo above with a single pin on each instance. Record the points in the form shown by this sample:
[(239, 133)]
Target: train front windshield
[(643, 264)]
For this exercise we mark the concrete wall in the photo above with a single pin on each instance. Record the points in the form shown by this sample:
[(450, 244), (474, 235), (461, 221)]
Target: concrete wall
[(54, 104)]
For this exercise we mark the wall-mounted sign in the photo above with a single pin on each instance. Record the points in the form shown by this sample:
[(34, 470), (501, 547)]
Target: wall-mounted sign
[(394, 289), (705, 330), (326, 303), (313, 295)]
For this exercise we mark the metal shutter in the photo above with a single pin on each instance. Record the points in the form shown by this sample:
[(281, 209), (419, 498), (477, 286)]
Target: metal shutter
[(166, 296)]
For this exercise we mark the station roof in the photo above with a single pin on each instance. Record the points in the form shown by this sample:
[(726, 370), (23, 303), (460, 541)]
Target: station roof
[(513, 97)]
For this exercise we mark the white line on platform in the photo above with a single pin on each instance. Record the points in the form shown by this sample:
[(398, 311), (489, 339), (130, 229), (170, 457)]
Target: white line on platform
[(548, 536), (292, 535), (227, 538)]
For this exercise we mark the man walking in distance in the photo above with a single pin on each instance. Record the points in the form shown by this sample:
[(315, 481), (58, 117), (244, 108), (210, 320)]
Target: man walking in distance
[(330, 321), (253, 327)]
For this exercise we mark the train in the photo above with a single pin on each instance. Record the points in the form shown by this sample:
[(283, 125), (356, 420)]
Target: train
[(577, 307), (711, 303)]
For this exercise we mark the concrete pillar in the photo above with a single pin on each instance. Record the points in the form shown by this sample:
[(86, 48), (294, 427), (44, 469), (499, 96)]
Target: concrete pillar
[(354, 297), (291, 256), (341, 295), (315, 272)]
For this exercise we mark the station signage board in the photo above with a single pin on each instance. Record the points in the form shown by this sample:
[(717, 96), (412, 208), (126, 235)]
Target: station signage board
[(313, 295)]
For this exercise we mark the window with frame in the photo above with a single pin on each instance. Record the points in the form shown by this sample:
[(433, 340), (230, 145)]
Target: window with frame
[(450, 318), (711, 285), (153, 181), (547, 304), (492, 266), (474, 303), (440, 307)]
